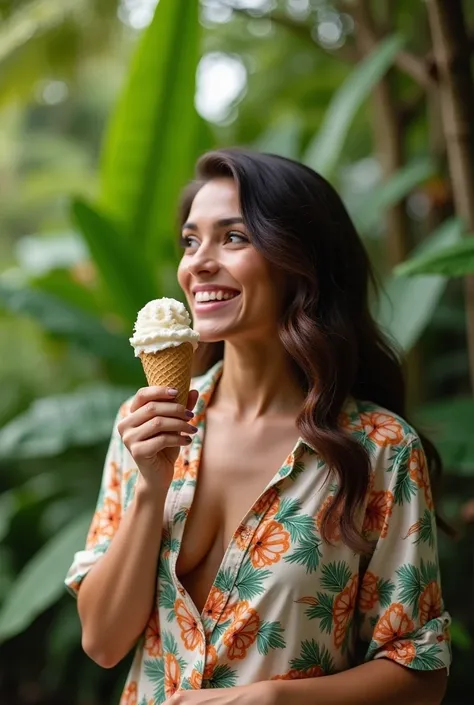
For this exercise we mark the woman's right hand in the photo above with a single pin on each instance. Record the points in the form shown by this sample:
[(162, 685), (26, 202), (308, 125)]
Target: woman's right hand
[(152, 432)]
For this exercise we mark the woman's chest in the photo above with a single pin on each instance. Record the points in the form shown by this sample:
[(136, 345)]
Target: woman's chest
[(235, 466)]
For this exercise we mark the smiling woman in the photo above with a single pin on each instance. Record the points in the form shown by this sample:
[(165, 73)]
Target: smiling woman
[(287, 553)]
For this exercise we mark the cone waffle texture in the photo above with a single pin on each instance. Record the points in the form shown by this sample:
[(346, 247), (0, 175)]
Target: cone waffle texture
[(170, 368)]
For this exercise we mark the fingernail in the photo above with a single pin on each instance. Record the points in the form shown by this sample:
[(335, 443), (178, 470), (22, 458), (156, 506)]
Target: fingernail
[(172, 392), (188, 439), (189, 414)]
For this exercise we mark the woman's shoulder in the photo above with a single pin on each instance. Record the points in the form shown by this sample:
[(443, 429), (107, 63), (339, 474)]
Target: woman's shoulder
[(379, 429)]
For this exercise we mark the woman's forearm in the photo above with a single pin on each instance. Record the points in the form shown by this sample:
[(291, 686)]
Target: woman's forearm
[(116, 598), (379, 682)]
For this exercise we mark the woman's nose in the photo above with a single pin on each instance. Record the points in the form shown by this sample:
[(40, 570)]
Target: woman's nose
[(203, 263)]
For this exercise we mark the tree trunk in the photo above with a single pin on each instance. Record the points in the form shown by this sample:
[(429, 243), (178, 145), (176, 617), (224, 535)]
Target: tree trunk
[(452, 53)]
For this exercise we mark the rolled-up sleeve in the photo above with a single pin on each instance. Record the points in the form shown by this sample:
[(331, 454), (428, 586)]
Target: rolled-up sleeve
[(107, 515), (400, 606)]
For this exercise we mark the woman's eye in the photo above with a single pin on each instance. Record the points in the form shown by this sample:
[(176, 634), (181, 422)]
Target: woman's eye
[(237, 238), (188, 241)]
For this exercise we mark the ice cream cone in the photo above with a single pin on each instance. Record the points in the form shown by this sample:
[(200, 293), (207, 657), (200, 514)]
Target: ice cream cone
[(170, 367)]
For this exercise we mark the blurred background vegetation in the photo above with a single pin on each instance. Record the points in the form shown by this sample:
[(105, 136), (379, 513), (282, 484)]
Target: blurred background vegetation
[(104, 107)]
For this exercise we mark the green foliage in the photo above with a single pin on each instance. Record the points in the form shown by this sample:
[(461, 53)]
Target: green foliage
[(154, 135), (40, 584), (324, 151), (301, 101), (125, 271), (454, 261), (407, 306), (55, 424)]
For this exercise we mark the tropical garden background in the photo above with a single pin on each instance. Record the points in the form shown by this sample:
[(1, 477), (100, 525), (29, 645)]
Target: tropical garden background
[(104, 107)]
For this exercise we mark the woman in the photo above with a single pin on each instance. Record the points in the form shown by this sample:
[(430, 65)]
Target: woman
[(291, 519)]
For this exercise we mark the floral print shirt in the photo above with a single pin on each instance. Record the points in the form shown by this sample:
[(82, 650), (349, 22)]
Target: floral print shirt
[(284, 603)]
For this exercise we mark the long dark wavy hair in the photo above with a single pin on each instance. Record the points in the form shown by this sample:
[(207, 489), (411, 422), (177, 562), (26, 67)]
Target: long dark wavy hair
[(299, 224)]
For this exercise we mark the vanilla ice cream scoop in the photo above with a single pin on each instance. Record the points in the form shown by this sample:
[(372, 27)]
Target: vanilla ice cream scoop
[(161, 324)]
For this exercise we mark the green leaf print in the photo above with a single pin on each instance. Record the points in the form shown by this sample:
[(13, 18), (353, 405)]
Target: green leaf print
[(181, 515), (428, 571), (385, 590), (218, 632), (298, 469), (426, 529), (167, 596), (224, 580), (270, 636), (284, 470), (410, 587), (169, 643), (364, 440), (289, 507), (307, 554), (155, 671), (322, 611), (335, 576), (143, 701), (186, 684), (313, 655), (177, 484), (222, 677), (249, 582), (299, 527), (130, 488), (405, 488), (164, 570), (426, 658)]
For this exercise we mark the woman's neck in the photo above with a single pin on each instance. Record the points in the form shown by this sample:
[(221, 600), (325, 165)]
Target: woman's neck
[(258, 379)]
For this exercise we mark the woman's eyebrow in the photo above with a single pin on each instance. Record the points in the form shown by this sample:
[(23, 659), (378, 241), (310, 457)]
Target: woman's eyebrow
[(222, 223)]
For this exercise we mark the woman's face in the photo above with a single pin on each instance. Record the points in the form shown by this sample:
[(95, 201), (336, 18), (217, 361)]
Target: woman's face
[(227, 282)]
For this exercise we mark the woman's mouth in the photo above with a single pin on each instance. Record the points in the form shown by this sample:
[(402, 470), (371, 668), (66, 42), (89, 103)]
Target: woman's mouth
[(213, 300)]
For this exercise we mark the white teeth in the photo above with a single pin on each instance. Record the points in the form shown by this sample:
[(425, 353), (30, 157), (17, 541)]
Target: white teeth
[(203, 296)]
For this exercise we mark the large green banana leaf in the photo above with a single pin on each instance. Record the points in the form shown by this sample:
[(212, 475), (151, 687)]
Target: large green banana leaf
[(324, 151), (153, 137)]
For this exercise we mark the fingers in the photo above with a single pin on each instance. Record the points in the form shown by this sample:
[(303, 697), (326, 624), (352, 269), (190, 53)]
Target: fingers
[(153, 409), (192, 399), (148, 394), (160, 425), (147, 450)]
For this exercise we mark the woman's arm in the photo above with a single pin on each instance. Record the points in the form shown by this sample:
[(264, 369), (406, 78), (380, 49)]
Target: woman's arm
[(379, 682), (116, 598)]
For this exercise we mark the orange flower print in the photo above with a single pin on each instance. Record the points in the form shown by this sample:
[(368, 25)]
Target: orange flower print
[(243, 631), (333, 527), (368, 592), (343, 610), (242, 536), (195, 679), (418, 471), (211, 661), (381, 428), (270, 542), (270, 499), (114, 480), (130, 694), (401, 650), (184, 470), (172, 675), (215, 604), (393, 624), (93, 536), (378, 511), (430, 602), (190, 633), (109, 518), (295, 674), (152, 643)]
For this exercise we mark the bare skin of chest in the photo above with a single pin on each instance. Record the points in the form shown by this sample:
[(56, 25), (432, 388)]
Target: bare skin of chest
[(237, 463)]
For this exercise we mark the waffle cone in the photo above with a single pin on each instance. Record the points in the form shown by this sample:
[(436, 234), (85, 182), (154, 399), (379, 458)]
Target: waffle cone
[(170, 368)]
